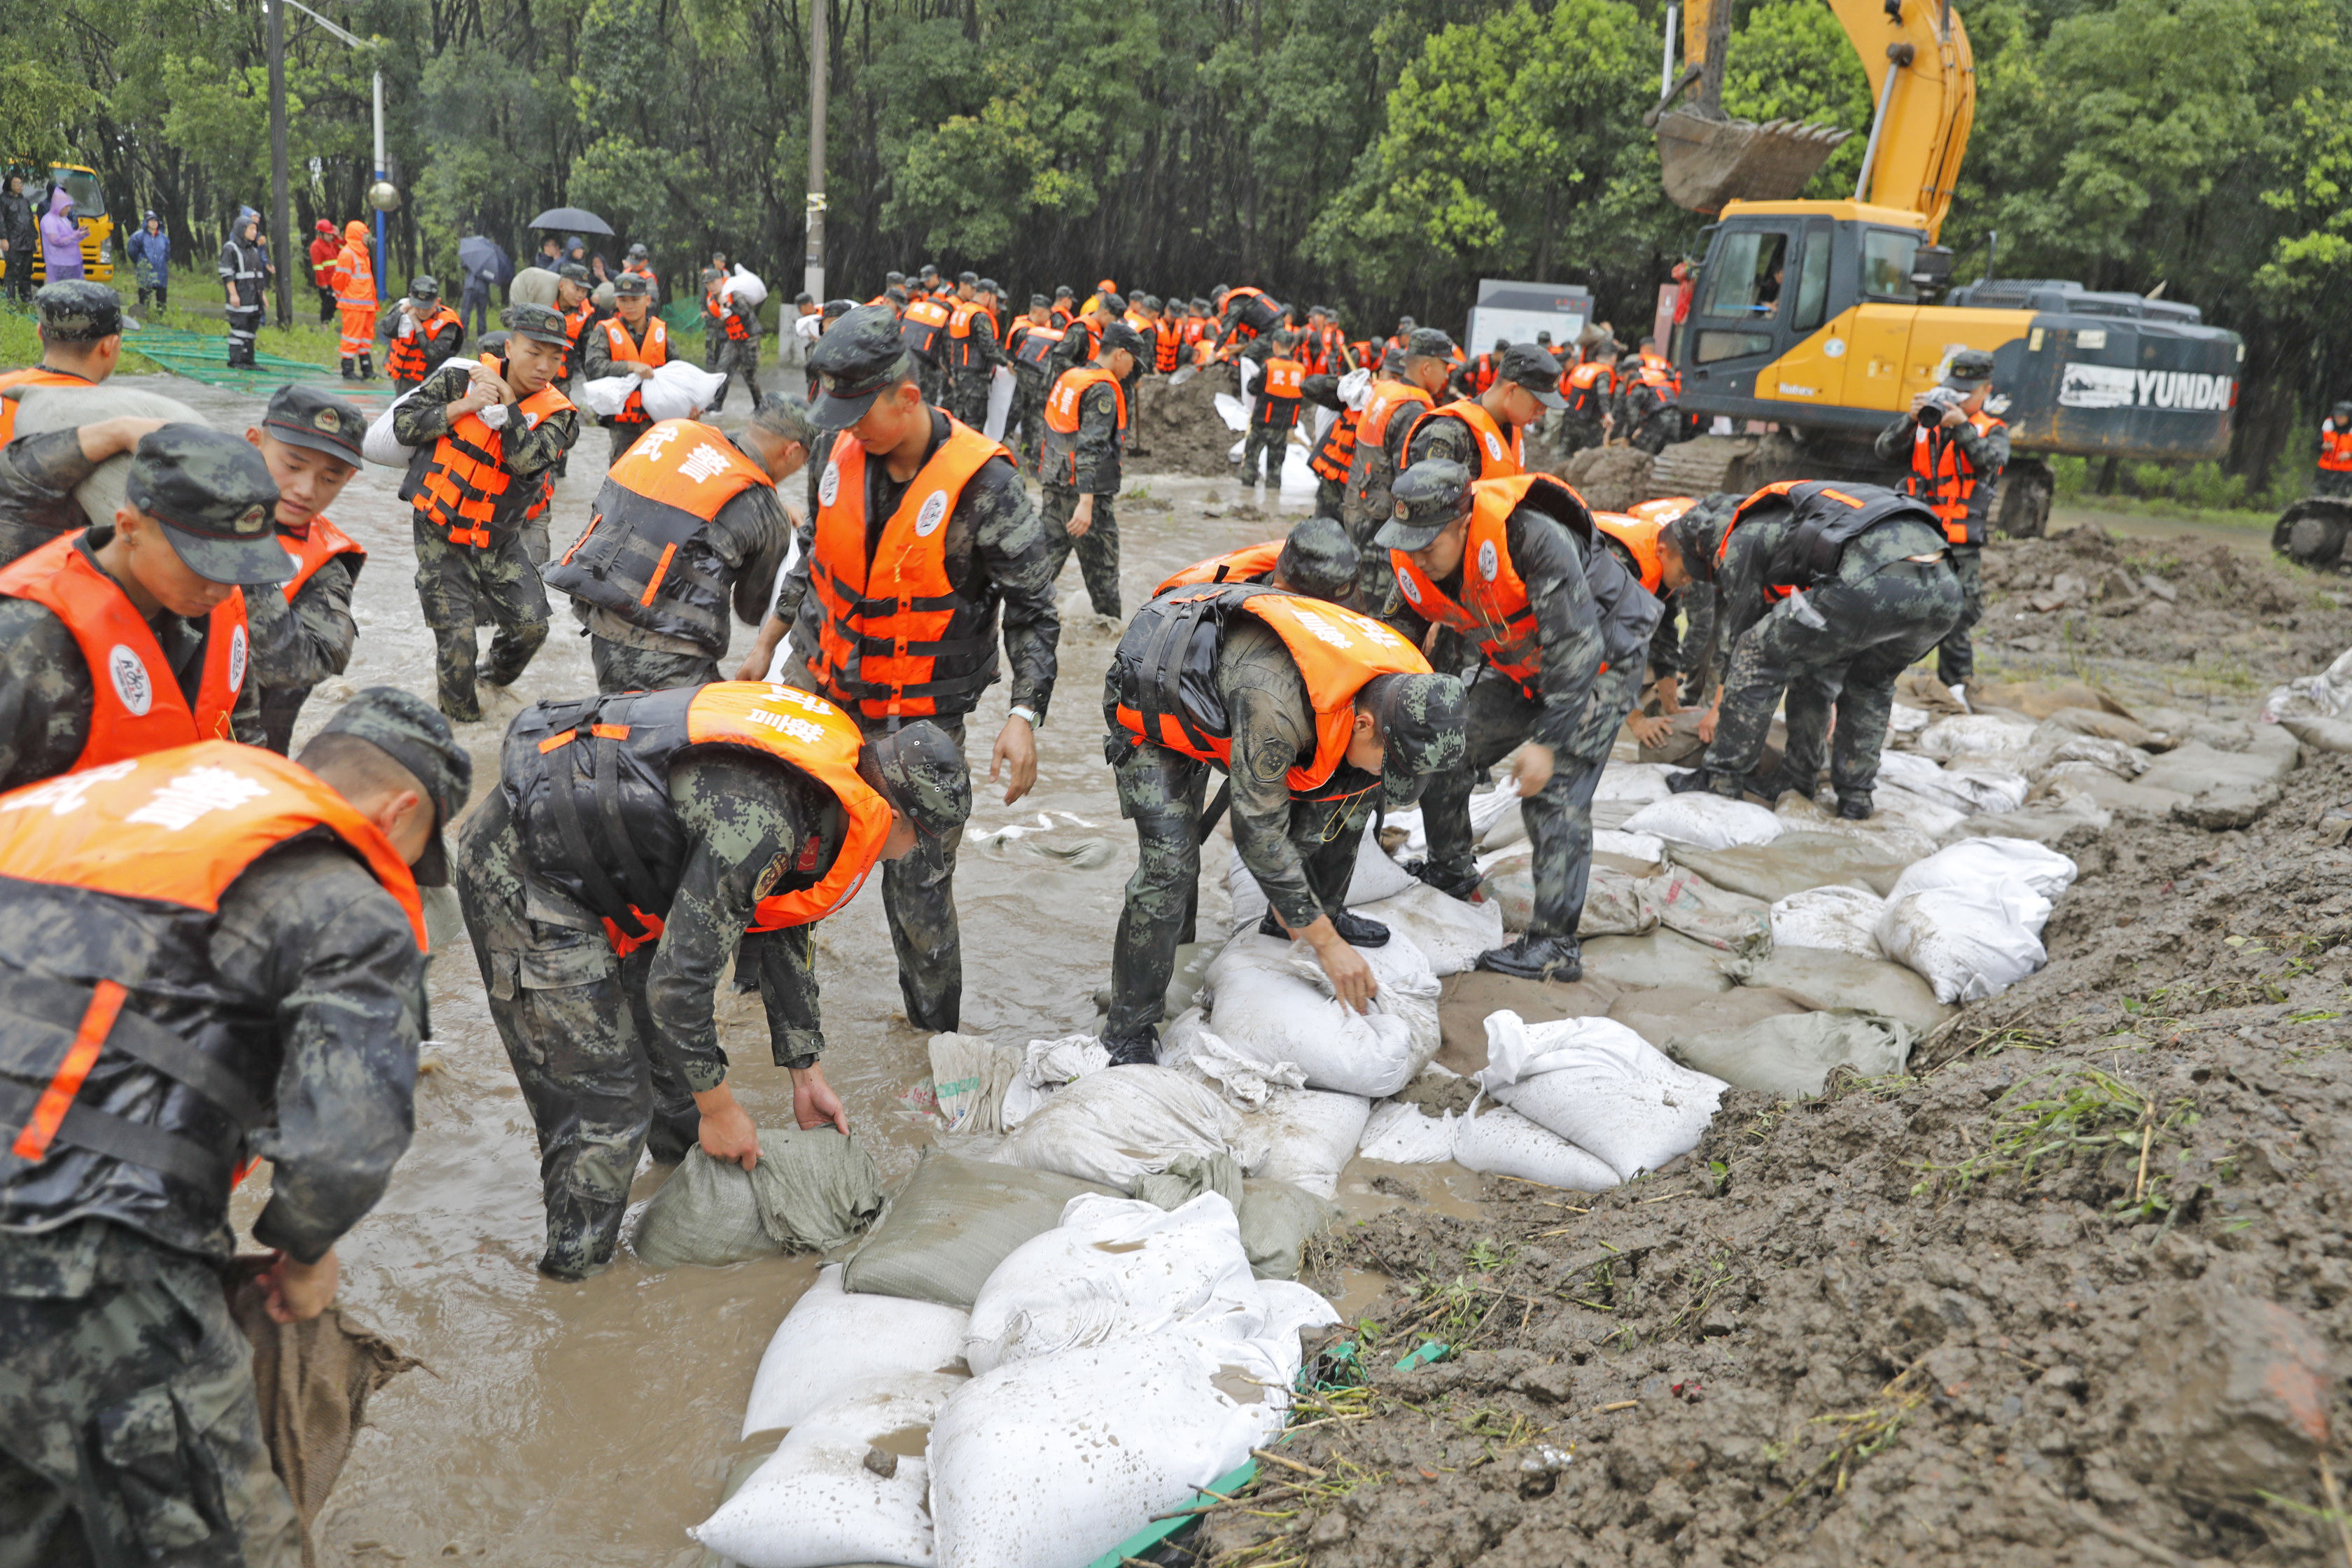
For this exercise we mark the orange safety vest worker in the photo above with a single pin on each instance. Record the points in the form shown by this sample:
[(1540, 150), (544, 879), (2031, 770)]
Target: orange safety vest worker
[(1942, 475), (1659, 371), (575, 321), (1167, 346), (921, 326), (2335, 447), (723, 312), (1640, 538), (355, 299), (1479, 374), (1387, 399), (316, 544), (1250, 563), (1284, 378), (406, 360), (962, 353), (32, 375), (653, 351), (1827, 520), (460, 484), (132, 1084), (136, 704), (894, 636), (1338, 651), (1033, 348), (1499, 458), (1062, 409), (1664, 509), (1337, 449), (646, 555), (590, 783)]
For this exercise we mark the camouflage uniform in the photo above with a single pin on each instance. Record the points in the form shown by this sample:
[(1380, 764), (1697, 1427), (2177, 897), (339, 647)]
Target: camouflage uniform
[(1987, 454), (297, 646), (1094, 471), (46, 694), (462, 586), (1883, 610), (1444, 435), (596, 363), (37, 476), (967, 388), (733, 356), (997, 552), (610, 1051)]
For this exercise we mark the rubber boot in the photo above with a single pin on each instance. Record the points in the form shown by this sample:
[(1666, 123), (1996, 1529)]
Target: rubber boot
[(1554, 958), (367, 367), (351, 369)]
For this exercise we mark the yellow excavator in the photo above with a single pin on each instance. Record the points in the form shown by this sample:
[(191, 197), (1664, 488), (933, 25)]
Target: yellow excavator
[(1825, 317)]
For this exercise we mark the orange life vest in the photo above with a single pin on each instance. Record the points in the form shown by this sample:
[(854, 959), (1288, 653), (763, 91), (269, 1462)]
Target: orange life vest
[(405, 362), (1942, 477), (136, 706), (1167, 345), (1827, 517), (654, 350), (575, 321), (623, 746), (2335, 447), (1062, 407), (1492, 611), (1337, 449), (354, 278), (1498, 459), (962, 353), (894, 636), (465, 487), (31, 375), (1249, 562), (723, 312), (921, 326), (1033, 347), (1283, 379), (1387, 397), (1479, 375), (1338, 651), (1586, 388), (1659, 371), (1664, 509), (318, 542), (1640, 538)]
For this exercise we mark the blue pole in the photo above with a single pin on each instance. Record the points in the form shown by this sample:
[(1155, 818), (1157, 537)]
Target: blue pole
[(383, 286)]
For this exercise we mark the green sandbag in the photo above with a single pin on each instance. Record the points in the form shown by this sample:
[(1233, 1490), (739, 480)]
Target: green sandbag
[(1187, 1176), (952, 1223), (1794, 1055), (811, 1191), (1277, 1221), (1792, 863)]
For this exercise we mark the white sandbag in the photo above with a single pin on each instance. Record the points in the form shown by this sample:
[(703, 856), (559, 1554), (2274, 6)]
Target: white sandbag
[(533, 286), (1000, 402), (1975, 861), (1233, 411), (2323, 696), (818, 1500), (1270, 1000), (1356, 388), (104, 492), (1842, 918), (1968, 943), (1375, 876), (1894, 809), (831, 1341), (681, 391), (1401, 1133), (1688, 902), (1449, 931), (379, 445), (1626, 788), (1600, 1086), (1492, 813), (1113, 1269), (1646, 846), (969, 1078), (1303, 1136), (745, 285), (1794, 1055), (1189, 1046), (1112, 1127), (1904, 720), (606, 395), (1968, 787), (1499, 1141), (1707, 820), (1051, 1462), (1993, 736)]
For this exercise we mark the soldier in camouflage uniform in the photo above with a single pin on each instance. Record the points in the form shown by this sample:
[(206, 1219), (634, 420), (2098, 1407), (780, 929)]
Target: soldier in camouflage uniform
[(1300, 845), (612, 1036), (1525, 383), (743, 547), (1561, 706), (1827, 637), (463, 586), (1427, 362), (193, 497), (1078, 472), (128, 1427), (993, 552), (1956, 452), (311, 439), (973, 360)]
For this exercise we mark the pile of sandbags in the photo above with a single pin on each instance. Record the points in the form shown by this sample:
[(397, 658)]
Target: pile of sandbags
[(1969, 918), (1270, 1000)]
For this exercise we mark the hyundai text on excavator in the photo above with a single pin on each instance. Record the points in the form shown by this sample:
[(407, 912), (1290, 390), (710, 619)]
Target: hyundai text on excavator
[(1826, 317)]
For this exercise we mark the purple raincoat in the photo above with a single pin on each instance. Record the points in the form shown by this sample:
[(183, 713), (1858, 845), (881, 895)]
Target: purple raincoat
[(61, 239)]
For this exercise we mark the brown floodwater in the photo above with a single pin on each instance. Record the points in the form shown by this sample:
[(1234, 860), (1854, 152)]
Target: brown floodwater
[(590, 1424)]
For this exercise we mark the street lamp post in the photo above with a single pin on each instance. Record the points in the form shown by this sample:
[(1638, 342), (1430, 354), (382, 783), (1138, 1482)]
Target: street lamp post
[(813, 272), (382, 197)]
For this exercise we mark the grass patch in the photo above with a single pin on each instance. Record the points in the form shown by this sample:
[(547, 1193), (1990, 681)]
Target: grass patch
[(2067, 1113), (20, 345)]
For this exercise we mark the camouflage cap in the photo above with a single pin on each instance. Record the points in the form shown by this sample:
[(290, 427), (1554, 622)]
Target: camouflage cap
[(1039, 302), (712, 275), (928, 269), (1426, 342), (637, 250), (572, 272), (2342, 410), (1697, 532), (632, 285), (1406, 324), (1428, 499), (989, 286), (540, 323), (923, 773), (216, 501), (1422, 730), (1969, 367), (1535, 371), (1200, 305), (1319, 559), (424, 285), (1118, 334), (859, 357), (971, 278), (894, 279), (1064, 291), (76, 311), (412, 732), (301, 413)]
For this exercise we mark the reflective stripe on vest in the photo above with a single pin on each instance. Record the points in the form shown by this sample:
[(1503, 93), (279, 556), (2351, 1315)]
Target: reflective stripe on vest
[(1336, 650), (30, 376), (1283, 378), (920, 327), (1168, 345), (354, 278), (1249, 562), (1640, 538), (1941, 476), (466, 487), (2335, 449), (1037, 346), (136, 706), (886, 623), (320, 543), (405, 362), (1497, 458), (645, 555), (1585, 387)]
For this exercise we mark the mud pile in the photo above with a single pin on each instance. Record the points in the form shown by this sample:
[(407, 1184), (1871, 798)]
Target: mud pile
[(1177, 429), (1610, 478)]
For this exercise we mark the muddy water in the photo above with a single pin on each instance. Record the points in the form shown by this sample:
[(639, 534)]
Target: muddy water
[(590, 1424)]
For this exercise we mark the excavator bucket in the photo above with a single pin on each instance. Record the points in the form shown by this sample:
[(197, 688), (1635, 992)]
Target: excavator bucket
[(1706, 162)]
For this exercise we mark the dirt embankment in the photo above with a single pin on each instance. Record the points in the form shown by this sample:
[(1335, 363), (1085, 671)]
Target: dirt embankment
[(1177, 429), (2076, 1289)]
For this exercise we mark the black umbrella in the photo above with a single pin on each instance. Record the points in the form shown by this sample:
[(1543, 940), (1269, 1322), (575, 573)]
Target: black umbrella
[(578, 220), (483, 256)]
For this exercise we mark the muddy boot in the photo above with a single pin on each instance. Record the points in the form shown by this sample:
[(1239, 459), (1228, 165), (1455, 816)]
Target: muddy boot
[(351, 369), (367, 367), (581, 1235), (1698, 781), (1136, 1052), (1853, 804), (1462, 883), (1553, 958)]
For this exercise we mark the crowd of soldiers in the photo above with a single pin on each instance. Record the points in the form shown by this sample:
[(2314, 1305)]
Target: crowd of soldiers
[(218, 953)]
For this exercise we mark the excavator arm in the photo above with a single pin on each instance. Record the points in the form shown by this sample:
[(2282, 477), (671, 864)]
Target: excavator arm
[(1922, 81)]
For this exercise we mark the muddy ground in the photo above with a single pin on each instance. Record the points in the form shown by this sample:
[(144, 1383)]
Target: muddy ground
[(2072, 1292)]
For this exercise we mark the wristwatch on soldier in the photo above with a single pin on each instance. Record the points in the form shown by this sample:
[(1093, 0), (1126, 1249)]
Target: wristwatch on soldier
[(1018, 712)]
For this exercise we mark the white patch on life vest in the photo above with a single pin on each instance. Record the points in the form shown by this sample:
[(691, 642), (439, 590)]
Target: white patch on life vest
[(1493, 445), (65, 792), (807, 701), (830, 485), (132, 684), (1410, 590), (1490, 562), (655, 440), (705, 462), (197, 792), (237, 659), (1321, 628), (800, 730), (934, 513)]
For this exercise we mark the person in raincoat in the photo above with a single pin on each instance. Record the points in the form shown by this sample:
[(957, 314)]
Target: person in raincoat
[(61, 239), (151, 252), (355, 302)]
